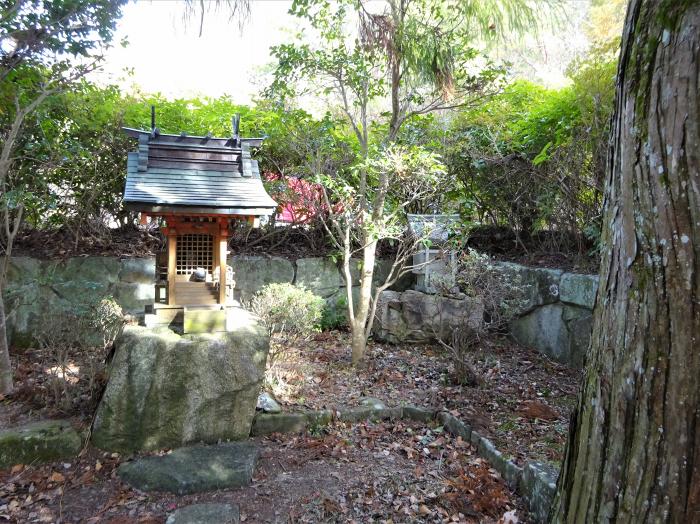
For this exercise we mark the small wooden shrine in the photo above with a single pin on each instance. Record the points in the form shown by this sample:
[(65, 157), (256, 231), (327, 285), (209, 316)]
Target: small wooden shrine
[(195, 186)]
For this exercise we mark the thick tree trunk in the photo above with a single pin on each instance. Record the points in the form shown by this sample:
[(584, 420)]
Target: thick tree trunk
[(634, 448)]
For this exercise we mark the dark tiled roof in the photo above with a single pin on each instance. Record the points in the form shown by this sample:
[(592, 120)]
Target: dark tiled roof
[(200, 174)]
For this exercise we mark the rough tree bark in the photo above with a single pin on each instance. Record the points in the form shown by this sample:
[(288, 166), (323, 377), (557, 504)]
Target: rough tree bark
[(634, 447)]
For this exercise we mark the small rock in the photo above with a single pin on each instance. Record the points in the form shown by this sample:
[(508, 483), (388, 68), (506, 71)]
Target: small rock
[(205, 514), (373, 403), (267, 404)]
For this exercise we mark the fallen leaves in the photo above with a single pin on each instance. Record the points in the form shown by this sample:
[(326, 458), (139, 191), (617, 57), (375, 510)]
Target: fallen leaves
[(514, 377), (57, 477), (534, 409), (415, 473)]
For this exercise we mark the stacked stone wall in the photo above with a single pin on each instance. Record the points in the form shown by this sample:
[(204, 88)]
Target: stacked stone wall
[(556, 317)]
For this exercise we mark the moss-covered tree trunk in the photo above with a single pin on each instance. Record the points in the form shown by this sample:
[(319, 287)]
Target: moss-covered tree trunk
[(634, 447)]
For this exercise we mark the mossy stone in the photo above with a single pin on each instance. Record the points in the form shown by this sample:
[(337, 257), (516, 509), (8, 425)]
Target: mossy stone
[(38, 442)]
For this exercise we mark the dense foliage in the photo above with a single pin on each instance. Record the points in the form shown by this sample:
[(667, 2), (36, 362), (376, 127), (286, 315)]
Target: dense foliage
[(533, 158), (530, 158)]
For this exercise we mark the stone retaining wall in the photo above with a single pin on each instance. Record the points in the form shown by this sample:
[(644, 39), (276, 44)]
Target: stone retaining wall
[(558, 315), (37, 288), (555, 317)]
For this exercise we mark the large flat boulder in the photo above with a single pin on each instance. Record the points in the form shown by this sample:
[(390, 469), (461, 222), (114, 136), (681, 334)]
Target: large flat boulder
[(195, 469), (38, 442), (167, 390), (415, 317), (560, 331)]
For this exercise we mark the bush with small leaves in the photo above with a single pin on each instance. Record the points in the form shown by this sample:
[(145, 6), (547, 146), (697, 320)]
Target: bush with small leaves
[(502, 292), (74, 344), (289, 312)]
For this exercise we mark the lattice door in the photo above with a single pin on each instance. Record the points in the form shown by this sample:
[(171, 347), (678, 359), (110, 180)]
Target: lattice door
[(194, 251)]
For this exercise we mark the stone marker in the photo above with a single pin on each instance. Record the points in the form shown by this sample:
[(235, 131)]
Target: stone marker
[(195, 469), (167, 391), (205, 514), (38, 442)]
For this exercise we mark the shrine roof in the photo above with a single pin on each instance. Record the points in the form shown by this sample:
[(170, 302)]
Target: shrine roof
[(198, 174)]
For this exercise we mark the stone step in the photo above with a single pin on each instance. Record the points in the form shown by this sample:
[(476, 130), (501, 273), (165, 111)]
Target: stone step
[(205, 514), (194, 469)]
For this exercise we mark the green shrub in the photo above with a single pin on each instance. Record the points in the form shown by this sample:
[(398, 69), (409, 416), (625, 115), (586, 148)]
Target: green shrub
[(334, 314), (288, 310)]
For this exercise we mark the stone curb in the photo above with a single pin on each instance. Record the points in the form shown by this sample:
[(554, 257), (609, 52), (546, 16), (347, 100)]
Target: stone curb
[(536, 482), (39, 442)]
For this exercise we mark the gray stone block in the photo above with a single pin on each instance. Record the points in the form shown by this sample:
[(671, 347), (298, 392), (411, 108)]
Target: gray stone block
[(133, 297), (138, 270), (381, 271), (455, 426), (268, 423), (419, 414), (38, 442), (252, 273), (538, 485), (541, 285), (205, 514), (560, 331), (23, 270), (318, 275), (195, 469), (512, 474), (319, 418), (357, 414), (390, 413), (579, 290), (488, 451), (415, 317), (101, 270)]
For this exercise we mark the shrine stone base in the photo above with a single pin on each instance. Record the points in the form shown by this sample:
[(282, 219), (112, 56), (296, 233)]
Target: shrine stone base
[(167, 390)]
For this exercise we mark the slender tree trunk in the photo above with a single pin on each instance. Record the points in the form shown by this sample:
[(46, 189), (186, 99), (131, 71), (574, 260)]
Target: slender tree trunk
[(359, 323), (634, 448), (6, 385)]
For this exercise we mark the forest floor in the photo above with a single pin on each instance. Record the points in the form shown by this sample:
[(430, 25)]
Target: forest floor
[(393, 471), (522, 403), (366, 472)]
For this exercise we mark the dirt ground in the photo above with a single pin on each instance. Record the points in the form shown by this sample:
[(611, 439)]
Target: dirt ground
[(384, 472), (523, 402)]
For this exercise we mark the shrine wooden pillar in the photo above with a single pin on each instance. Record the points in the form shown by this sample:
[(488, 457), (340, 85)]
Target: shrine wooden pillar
[(222, 248), (172, 264)]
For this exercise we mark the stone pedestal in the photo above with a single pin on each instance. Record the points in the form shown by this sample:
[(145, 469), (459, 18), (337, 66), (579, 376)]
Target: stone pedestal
[(167, 390), (415, 317)]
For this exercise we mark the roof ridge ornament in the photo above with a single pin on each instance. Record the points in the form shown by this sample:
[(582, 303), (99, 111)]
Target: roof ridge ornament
[(236, 124), (154, 130)]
